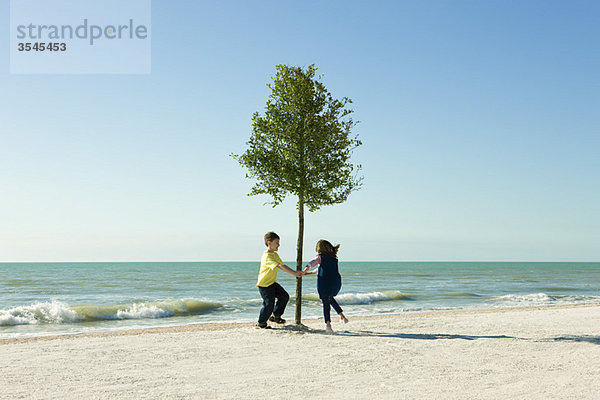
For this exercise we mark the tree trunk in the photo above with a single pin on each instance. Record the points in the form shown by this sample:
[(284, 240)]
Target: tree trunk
[(299, 259)]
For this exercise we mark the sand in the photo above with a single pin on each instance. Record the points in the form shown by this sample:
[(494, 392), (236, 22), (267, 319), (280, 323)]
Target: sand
[(526, 353)]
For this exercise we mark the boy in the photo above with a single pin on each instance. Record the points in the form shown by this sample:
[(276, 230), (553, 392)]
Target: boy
[(270, 290)]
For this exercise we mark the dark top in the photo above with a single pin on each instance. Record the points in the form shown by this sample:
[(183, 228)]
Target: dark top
[(329, 281)]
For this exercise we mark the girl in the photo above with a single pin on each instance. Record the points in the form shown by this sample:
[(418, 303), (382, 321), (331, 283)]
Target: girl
[(329, 281)]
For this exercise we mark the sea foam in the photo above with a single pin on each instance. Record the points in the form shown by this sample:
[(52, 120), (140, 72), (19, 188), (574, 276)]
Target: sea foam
[(54, 312), (526, 299), (57, 312), (534, 299), (363, 298)]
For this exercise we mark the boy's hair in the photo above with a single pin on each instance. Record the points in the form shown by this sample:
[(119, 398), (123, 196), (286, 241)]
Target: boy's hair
[(270, 236), (326, 248)]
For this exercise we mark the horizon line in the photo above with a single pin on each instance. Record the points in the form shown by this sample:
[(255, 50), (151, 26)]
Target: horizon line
[(345, 261)]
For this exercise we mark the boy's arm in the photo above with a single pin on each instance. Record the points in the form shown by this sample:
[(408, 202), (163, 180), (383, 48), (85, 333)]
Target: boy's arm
[(290, 271)]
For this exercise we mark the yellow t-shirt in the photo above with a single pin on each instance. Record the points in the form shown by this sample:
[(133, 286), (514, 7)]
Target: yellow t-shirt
[(268, 269)]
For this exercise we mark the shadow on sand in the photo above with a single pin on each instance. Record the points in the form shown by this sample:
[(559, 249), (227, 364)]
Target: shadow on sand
[(435, 336), (421, 336), (578, 339), (417, 336)]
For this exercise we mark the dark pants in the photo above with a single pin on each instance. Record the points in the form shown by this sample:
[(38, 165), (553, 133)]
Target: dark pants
[(327, 302), (269, 294)]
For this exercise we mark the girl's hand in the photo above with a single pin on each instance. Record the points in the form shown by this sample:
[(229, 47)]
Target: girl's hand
[(306, 268)]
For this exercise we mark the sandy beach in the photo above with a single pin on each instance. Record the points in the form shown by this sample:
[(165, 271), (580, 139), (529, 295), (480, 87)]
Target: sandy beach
[(524, 353)]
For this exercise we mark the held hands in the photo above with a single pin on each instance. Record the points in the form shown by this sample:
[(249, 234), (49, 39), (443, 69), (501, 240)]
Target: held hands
[(305, 271)]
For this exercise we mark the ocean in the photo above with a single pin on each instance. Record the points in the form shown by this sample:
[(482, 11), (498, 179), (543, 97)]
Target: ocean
[(39, 299)]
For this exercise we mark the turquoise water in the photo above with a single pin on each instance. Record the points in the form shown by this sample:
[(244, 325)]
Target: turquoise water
[(50, 298)]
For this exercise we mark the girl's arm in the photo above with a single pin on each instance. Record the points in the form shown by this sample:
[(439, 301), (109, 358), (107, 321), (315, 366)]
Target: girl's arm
[(316, 261)]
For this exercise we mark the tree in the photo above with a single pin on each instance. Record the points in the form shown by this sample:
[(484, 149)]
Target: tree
[(302, 147)]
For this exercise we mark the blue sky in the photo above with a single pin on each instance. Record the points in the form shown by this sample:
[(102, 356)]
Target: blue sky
[(479, 120)]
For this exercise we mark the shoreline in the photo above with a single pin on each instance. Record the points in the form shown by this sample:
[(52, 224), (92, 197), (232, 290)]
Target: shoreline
[(224, 326)]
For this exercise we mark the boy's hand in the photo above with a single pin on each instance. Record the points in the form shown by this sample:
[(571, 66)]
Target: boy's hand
[(299, 274)]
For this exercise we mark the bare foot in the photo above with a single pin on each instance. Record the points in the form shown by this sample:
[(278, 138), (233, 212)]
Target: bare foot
[(328, 328), (343, 319)]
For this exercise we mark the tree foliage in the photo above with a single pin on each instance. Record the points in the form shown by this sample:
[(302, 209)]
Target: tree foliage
[(303, 143)]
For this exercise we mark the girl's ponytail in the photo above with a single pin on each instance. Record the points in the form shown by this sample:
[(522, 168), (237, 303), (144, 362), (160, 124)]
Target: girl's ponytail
[(336, 248)]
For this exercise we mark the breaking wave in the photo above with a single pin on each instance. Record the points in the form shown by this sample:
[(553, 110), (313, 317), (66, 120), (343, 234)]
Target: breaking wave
[(363, 298), (534, 299), (56, 312)]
